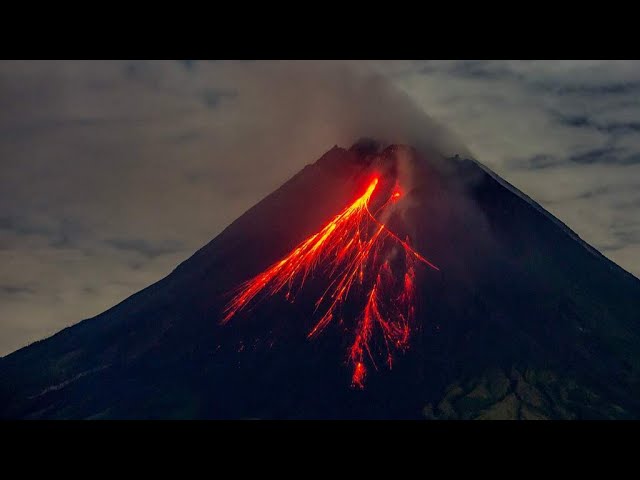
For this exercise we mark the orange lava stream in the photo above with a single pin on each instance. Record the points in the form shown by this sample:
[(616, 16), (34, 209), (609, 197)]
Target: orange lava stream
[(357, 252)]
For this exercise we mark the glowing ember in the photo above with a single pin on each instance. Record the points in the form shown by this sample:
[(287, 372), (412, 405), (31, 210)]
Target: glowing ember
[(361, 257)]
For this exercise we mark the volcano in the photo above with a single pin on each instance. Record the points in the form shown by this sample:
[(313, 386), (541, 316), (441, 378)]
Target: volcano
[(379, 282)]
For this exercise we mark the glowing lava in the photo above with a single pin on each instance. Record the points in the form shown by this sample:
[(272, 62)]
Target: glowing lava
[(362, 260)]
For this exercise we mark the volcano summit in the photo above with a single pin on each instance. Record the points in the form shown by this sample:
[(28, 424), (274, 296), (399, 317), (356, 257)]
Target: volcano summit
[(376, 283)]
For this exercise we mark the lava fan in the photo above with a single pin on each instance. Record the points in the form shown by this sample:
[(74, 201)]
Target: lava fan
[(361, 261)]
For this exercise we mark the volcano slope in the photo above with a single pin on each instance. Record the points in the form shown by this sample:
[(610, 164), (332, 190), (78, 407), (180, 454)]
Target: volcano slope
[(520, 320)]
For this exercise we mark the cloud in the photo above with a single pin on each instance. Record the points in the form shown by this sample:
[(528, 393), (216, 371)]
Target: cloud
[(114, 172), (144, 247), (15, 290), (564, 132)]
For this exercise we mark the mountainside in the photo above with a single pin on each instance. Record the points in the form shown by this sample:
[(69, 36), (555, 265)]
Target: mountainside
[(521, 318)]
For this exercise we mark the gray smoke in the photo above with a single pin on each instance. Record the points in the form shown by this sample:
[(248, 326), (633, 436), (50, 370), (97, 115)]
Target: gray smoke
[(114, 172)]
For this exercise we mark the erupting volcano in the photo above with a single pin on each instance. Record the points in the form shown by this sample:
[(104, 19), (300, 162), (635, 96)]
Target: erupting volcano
[(355, 253), (330, 280)]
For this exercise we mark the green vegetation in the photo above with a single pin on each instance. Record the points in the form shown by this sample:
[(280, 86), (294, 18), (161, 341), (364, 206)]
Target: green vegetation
[(534, 395)]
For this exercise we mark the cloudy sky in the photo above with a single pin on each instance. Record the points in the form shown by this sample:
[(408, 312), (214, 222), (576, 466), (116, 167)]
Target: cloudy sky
[(112, 173)]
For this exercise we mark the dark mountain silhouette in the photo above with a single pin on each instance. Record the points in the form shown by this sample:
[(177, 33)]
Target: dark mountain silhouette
[(523, 320)]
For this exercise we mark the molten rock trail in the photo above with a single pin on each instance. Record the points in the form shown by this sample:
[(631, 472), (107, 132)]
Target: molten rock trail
[(362, 261)]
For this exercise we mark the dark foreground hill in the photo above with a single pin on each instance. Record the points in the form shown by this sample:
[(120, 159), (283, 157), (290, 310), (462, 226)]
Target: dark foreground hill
[(523, 320)]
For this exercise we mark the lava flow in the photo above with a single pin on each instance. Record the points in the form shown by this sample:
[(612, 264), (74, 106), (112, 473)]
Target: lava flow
[(362, 260)]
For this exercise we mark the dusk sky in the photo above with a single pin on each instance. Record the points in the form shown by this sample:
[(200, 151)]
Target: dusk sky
[(114, 172)]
